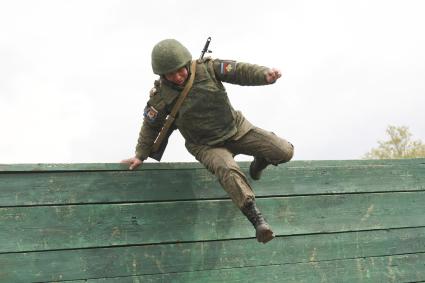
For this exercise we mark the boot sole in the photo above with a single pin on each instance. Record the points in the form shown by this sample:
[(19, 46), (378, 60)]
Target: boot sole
[(265, 236)]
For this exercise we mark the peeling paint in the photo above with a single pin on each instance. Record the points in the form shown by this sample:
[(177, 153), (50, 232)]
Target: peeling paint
[(368, 213), (359, 268), (157, 262), (313, 255), (115, 232), (391, 273), (288, 215)]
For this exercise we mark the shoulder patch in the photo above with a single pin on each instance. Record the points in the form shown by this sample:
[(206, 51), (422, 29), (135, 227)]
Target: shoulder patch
[(150, 113), (227, 67)]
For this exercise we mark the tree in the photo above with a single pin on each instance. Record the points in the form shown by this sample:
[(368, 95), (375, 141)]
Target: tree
[(399, 145)]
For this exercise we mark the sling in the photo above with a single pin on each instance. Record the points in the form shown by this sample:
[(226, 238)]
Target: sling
[(165, 131)]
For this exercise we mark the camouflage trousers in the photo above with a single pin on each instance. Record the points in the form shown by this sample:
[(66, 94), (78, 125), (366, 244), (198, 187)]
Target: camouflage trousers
[(219, 159)]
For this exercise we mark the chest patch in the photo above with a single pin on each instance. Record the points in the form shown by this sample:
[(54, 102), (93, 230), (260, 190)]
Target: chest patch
[(150, 113)]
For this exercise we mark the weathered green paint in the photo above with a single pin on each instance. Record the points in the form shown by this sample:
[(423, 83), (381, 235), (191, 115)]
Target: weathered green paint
[(72, 187), (197, 256), (107, 187), (394, 269), (62, 227), (336, 221), (41, 167)]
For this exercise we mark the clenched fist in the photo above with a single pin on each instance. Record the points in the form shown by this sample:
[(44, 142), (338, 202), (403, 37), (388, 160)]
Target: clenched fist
[(272, 75)]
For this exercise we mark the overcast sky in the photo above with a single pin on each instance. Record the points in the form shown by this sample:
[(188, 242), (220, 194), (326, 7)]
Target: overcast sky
[(75, 75)]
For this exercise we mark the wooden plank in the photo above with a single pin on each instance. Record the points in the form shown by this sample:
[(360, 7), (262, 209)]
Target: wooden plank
[(63, 227), (396, 269), (342, 179), (185, 257), (106, 187), (17, 189), (36, 167), (70, 167)]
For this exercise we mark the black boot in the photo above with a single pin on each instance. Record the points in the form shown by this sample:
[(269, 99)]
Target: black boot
[(256, 167), (263, 231)]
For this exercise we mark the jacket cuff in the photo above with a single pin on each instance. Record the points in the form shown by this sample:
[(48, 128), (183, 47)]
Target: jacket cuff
[(142, 155)]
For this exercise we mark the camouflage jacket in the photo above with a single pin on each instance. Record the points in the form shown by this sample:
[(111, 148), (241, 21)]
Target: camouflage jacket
[(206, 116)]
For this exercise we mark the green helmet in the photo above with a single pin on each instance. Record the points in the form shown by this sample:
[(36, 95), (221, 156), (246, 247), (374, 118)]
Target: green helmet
[(169, 55)]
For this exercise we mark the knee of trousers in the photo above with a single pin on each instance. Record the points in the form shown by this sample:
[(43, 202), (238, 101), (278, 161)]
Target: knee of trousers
[(284, 154)]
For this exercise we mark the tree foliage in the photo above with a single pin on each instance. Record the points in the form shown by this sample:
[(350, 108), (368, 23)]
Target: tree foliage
[(399, 145)]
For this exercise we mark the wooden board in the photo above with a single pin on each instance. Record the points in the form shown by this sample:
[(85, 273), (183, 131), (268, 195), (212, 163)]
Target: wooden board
[(197, 256), (80, 226), (394, 269), (74, 187), (58, 167)]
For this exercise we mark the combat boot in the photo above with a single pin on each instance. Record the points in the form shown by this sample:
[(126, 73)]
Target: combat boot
[(263, 230), (256, 168)]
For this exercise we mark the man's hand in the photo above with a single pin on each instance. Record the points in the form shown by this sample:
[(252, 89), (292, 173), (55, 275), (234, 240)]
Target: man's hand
[(272, 75), (133, 162)]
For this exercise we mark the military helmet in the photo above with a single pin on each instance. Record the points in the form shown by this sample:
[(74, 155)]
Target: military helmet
[(169, 55)]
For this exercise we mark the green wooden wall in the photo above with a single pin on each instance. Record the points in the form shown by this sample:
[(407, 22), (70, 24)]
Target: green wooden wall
[(336, 221)]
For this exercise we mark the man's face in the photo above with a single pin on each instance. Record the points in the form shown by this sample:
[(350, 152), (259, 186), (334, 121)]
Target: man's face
[(178, 77)]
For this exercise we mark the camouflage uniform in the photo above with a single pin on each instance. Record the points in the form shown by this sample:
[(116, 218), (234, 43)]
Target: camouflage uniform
[(214, 132)]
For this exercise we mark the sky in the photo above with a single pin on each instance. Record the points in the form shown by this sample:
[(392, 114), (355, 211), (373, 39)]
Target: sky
[(75, 75)]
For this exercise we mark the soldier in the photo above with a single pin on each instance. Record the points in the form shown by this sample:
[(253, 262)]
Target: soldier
[(213, 131)]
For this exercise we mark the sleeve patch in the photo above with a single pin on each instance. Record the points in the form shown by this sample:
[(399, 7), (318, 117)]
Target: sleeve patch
[(228, 67), (150, 113)]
